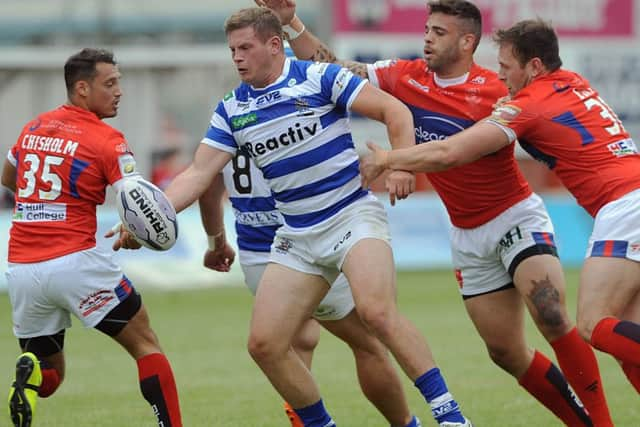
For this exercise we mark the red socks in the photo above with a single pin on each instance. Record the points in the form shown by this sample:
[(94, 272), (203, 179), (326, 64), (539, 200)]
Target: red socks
[(546, 383), (580, 367), (50, 381), (619, 338), (159, 389)]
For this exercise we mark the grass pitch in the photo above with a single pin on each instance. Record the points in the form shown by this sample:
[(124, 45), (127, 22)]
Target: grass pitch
[(204, 335)]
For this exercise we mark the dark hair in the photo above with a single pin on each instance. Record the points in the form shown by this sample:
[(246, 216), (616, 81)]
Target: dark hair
[(532, 38), (263, 20), (466, 11), (82, 65)]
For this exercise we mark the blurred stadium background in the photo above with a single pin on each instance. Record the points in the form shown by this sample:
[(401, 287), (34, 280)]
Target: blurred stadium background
[(175, 67)]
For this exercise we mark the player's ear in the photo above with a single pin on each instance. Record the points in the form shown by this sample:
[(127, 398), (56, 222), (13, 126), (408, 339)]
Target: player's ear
[(468, 42), (82, 87), (275, 45), (536, 67)]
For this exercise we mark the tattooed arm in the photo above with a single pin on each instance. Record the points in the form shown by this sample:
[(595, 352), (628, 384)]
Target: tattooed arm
[(304, 44)]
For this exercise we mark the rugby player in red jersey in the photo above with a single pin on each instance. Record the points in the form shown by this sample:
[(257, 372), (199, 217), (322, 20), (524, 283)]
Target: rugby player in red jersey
[(59, 170), (562, 121), (502, 238)]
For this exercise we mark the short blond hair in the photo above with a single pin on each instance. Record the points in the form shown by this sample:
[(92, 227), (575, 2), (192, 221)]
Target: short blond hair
[(264, 22)]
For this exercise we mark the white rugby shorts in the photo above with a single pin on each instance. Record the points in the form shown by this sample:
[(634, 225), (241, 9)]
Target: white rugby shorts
[(336, 305), (616, 230), (321, 249), (86, 283), (482, 255)]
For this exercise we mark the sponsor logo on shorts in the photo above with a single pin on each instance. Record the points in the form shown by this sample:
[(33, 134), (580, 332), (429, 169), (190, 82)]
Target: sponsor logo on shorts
[(39, 212), (634, 248), (344, 239), (283, 245), (509, 239), (95, 301)]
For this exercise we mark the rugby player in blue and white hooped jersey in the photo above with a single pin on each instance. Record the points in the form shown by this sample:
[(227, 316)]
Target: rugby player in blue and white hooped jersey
[(291, 118), (257, 220)]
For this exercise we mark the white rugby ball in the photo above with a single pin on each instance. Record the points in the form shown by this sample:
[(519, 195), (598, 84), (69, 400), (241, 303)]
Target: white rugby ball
[(147, 213)]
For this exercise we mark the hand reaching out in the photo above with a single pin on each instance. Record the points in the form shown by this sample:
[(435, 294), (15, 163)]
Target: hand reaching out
[(284, 9), (125, 239)]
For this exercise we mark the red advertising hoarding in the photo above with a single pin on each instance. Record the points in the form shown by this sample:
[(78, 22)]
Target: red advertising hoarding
[(572, 18)]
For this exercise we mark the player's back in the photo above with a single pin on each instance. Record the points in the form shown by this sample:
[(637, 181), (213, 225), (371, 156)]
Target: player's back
[(64, 160), (476, 192), (562, 121), (254, 208)]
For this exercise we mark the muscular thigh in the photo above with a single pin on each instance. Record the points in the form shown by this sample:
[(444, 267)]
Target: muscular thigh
[(337, 304), (285, 298), (498, 318)]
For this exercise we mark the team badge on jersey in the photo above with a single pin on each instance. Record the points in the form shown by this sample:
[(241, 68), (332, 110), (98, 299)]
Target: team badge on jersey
[(505, 114)]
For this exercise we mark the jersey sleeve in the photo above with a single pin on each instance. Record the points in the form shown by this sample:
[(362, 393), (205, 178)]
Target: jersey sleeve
[(219, 135), (117, 158), (340, 85), (515, 118), (386, 73)]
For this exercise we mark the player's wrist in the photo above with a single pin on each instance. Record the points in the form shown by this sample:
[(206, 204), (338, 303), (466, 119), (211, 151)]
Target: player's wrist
[(293, 29), (383, 158), (216, 241)]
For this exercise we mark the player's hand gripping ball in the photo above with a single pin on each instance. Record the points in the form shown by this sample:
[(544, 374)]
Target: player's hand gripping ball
[(147, 214)]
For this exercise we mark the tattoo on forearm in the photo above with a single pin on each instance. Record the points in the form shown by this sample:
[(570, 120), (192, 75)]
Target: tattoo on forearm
[(323, 54), (357, 68)]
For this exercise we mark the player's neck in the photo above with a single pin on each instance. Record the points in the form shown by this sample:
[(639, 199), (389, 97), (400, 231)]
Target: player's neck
[(451, 81), (455, 70), (274, 74)]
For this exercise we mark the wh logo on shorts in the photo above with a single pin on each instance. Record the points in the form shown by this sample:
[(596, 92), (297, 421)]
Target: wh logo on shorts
[(509, 239)]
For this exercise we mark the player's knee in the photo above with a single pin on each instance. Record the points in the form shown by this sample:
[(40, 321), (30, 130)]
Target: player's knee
[(504, 356), (553, 321), (585, 325), (305, 342), (264, 348), (380, 319)]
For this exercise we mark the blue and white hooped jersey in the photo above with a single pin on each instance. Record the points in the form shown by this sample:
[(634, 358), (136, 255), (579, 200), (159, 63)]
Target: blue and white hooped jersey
[(297, 132), (257, 218)]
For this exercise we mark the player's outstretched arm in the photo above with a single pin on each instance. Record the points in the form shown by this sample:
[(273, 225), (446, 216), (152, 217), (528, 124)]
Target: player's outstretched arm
[(220, 254), (189, 185), (305, 44), (464, 147)]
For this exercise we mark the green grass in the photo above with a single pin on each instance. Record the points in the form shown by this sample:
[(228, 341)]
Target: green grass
[(204, 333)]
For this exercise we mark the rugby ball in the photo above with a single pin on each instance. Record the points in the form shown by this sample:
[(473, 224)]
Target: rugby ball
[(147, 213)]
